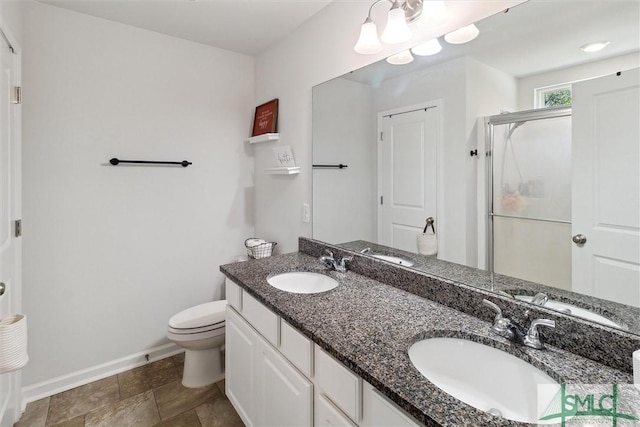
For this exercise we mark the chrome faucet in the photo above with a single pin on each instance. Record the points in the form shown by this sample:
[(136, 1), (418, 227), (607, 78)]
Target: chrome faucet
[(532, 339), (510, 330), (500, 324), (540, 299), (340, 266)]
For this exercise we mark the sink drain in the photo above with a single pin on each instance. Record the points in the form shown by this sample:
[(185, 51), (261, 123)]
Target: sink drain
[(495, 412)]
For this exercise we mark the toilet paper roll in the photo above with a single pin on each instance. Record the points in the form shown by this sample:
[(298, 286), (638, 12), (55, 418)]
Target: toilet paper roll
[(636, 369), (427, 244), (13, 342)]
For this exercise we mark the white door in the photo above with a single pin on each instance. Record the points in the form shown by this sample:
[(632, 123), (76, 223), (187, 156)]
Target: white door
[(10, 209), (407, 175), (606, 188)]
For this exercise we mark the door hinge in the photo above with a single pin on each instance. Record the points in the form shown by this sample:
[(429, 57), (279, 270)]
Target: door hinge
[(382, 200), (17, 95), (381, 138), (18, 227)]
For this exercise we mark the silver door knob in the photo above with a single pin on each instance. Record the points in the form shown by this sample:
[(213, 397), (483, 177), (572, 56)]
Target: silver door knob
[(579, 239), (2, 288)]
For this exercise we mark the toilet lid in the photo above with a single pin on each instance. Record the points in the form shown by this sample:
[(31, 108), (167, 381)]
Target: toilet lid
[(201, 315)]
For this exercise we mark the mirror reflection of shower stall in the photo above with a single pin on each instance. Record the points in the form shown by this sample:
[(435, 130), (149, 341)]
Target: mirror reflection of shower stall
[(530, 196)]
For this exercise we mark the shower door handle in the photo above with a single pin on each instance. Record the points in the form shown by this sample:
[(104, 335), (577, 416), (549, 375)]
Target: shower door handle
[(579, 239)]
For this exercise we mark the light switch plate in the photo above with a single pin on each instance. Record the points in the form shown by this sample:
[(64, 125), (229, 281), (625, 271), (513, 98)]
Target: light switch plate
[(306, 213)]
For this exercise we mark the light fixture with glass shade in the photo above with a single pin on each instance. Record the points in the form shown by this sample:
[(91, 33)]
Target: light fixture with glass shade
[(462, 35), (368, 42), (435, 13), (401, 58), (396, 29), (430, 47)]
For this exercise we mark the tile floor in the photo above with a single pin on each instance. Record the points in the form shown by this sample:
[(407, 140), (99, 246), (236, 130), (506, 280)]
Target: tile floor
[(151, 395)]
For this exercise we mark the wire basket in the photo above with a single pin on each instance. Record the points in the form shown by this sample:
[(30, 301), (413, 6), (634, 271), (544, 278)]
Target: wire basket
[(258, 248)]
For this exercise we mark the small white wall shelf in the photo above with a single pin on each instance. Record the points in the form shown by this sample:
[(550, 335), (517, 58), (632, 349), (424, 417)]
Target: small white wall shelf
[(293, 170), (265, 137)]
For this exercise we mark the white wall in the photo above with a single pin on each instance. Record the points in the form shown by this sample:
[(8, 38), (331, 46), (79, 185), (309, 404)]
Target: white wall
[(319, 50), (344, 132), (11, 15), (110, 253), (526, 85), (446, 83), (468, 90), (489, 91)]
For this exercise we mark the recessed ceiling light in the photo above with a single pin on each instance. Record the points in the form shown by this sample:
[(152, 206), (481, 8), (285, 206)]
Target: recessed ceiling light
[(401, 58), (594, 47)]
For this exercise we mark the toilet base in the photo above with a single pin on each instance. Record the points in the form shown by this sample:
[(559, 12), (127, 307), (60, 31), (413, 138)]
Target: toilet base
[(202, 367)]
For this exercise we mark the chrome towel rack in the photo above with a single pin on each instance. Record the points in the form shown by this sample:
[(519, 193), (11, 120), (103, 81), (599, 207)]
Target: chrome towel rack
[(115, 161)]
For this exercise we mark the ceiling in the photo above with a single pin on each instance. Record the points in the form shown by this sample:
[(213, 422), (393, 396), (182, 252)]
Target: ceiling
[(244, 26), (548, 31), (534, 37)]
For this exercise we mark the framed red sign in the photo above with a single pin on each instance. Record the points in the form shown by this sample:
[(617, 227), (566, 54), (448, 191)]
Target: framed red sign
[(266, 118)]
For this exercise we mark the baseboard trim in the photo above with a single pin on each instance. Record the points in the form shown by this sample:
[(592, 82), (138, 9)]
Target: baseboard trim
[(62, 383)]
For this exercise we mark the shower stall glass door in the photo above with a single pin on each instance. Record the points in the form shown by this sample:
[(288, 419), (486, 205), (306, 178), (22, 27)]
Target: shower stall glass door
[(530, 196)]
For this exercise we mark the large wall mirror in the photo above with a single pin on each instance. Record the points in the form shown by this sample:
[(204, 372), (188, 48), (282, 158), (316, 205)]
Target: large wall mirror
[(522, 147)]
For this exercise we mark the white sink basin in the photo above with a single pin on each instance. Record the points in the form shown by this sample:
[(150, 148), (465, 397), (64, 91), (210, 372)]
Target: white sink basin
[(483, 377), (575, 310), (394, 259), (302, 282)]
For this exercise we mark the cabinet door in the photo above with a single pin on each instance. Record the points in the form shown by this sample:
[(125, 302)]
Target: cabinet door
[(338, 383), (284, 396), (240, 375), (378, 411), (326, 414)]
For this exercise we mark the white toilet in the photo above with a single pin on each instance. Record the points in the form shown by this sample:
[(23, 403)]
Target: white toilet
[(200, 331)]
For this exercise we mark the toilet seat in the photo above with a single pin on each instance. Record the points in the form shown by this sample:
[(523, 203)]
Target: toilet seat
[(192, 331), (195, 337), (200, 318)]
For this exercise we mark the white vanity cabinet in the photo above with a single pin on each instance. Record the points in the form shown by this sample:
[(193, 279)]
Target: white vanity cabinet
[(327, 414), (261, 384), (284, 397), (276, 376), (240, 366), (379, 411), (340, 385)]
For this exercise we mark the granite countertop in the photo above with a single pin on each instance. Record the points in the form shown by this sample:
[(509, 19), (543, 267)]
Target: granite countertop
[(625, 315), (369, 326)]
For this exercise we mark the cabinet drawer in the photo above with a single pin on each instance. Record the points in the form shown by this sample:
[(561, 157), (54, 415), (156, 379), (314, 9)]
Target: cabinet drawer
[(261, 318), (342, 386), (326, 414), (297, 348), (379, 411), (233, 294)]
